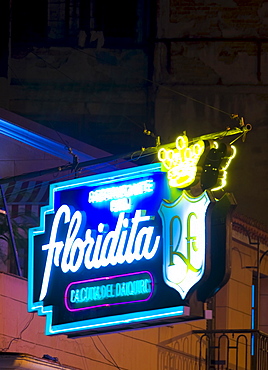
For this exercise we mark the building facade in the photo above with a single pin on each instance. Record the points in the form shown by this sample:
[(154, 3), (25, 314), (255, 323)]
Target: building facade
[(228, 336), (232, 332), (80, 68), (173, 66)]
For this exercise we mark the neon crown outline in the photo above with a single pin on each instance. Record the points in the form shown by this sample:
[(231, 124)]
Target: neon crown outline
[(181, 163)]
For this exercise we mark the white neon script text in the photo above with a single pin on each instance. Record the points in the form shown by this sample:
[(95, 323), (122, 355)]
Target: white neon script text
[(125, 243)]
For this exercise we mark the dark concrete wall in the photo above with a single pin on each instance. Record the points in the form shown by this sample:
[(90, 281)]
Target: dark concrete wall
[(74, 78), (210, 63)]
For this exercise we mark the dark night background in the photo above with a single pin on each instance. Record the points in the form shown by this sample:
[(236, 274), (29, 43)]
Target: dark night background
[(103, 72)]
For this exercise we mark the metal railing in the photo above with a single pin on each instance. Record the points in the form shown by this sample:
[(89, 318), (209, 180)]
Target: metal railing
[(232, 350)]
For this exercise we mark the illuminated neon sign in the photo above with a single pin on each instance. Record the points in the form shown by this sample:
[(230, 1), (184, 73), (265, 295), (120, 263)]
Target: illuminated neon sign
[(97, 266), (120, 196), (207, 160), (107, 291), (181, 162), (123, 244), (227, 159), (184, 254)]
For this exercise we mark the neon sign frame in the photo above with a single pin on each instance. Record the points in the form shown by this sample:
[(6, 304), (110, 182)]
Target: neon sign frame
[(143, 229), (151, 315)]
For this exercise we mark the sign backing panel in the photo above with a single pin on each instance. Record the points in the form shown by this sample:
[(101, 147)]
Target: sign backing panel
[(118, 251)]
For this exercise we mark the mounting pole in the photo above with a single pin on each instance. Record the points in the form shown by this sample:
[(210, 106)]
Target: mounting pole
[(12, 238), (128, 156)]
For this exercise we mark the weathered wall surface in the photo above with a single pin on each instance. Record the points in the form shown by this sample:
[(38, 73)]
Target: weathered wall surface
[(69, 73), (166, 347), (210, 63), (98, 96), (149, 349)]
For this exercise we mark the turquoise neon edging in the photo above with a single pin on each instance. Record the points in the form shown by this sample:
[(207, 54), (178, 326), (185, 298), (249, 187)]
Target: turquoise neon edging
[(110, 321), (99, 179), (107, 321)]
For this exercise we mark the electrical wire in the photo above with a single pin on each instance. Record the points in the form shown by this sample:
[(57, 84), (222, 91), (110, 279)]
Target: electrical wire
[(142, 155), (76, 170), (108, 351), (189, 97), (98, 58), (89, 170), (21, 83), (158, 84), (103, 355), (81, 349), (51, 66), (20, 335), (86, 172), (64, 352)]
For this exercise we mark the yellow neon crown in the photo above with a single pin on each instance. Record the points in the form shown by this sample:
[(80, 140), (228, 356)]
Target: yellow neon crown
[(181, 162)]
